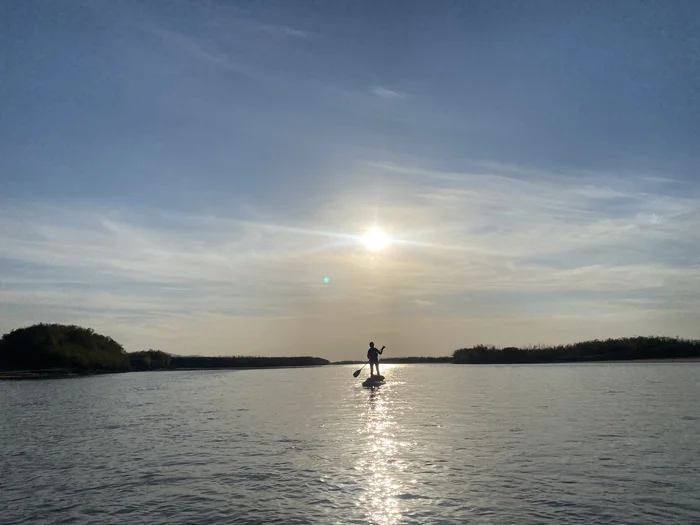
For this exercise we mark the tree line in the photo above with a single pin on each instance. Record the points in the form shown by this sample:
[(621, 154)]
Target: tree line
[(622, 349), (82, 350)]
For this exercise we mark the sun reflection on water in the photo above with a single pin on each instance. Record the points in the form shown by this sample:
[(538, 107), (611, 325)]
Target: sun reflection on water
[(378, 465)]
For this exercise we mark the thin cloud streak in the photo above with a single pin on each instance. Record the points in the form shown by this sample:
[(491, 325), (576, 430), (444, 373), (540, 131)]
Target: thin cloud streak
[(388, 94), (207, 52)]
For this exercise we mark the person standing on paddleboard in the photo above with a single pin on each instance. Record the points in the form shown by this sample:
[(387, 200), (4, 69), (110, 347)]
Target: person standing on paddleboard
[(373, 356)]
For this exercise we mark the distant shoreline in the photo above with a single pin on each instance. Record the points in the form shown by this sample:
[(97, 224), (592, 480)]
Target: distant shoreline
[(401, 360), (626, 349), (45, 351)]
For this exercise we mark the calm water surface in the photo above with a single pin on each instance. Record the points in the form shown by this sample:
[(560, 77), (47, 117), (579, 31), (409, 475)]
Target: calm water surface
[(598, 443)]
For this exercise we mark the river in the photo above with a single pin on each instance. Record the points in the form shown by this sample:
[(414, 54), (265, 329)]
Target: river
[(528, 444)]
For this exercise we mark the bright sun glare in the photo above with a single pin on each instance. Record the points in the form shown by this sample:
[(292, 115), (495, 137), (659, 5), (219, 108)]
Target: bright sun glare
[(375, 239)]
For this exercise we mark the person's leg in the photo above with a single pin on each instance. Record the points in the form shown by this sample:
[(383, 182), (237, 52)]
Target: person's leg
[(377, 365), (371, 368)]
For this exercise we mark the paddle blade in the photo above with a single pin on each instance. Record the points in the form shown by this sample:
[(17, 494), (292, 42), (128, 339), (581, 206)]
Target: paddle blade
[(356, 373)]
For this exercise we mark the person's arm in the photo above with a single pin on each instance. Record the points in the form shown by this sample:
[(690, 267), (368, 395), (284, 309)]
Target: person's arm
[(382, 350)]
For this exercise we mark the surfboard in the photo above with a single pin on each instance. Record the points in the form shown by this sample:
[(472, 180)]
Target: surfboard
[(373, 381)]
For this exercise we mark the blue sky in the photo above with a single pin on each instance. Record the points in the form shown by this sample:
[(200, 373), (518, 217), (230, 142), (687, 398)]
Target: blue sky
[(183, 175)]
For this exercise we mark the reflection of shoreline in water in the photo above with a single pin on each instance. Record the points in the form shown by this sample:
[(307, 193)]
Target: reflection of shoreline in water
[(379, 499)]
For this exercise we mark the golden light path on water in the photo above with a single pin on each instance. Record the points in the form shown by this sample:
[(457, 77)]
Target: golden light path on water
[(380, 464)]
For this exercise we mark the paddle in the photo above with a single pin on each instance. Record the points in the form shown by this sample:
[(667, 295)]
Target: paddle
[(357, 372)]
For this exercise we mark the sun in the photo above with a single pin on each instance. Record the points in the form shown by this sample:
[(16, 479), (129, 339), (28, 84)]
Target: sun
[(375, 240)]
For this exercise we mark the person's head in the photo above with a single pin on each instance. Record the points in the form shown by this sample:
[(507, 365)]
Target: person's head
[(371, 344)]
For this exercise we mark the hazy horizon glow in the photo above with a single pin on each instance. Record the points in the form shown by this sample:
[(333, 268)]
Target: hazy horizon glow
[(200, 179)]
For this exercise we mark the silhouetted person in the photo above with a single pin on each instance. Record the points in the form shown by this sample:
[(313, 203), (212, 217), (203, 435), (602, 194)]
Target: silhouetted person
[(373, 356)]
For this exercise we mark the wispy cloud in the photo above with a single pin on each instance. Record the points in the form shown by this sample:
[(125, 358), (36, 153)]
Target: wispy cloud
[(388, 94), (468, 245), (206, 51), (231, 20), (218, 43), (285, 31)]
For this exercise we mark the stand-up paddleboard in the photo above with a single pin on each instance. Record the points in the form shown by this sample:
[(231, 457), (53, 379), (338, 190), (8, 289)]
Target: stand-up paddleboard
[(373, 381)]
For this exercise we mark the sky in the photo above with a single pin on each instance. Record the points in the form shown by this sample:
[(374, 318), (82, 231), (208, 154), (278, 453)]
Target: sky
[(197, 176)]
